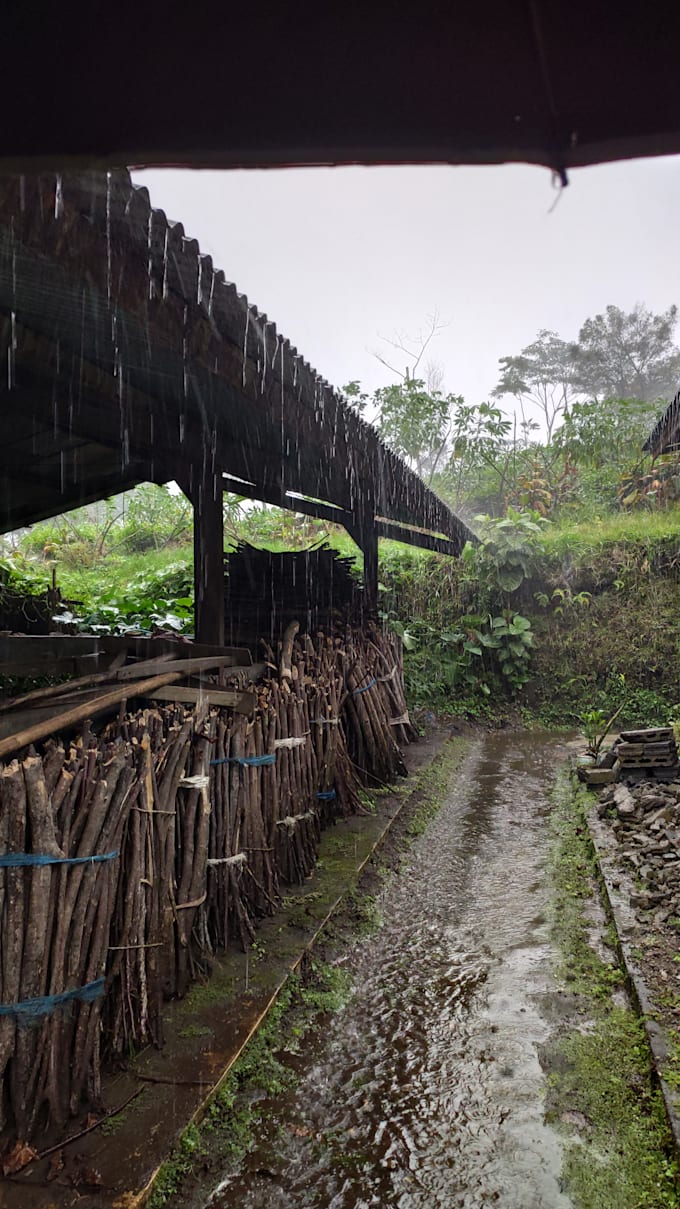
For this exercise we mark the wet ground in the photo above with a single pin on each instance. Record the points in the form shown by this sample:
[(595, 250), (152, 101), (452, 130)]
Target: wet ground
[(426, 1090)]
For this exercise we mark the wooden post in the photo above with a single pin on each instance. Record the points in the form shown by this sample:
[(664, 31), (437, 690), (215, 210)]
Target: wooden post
[(203, 486), (365, 535), (369, 545)]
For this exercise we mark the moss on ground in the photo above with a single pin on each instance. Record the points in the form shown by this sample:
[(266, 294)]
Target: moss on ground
[(602, 1075)]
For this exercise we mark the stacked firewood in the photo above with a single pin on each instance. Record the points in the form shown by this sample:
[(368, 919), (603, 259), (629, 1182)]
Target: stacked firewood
[(265, 590), (161, 840), (68, 810)]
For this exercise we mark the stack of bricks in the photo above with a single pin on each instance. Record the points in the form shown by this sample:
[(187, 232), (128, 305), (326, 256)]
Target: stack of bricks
[(646, 749)]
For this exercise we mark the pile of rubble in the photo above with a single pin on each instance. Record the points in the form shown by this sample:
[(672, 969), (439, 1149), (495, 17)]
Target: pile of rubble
[(636, 754), (645, 818)]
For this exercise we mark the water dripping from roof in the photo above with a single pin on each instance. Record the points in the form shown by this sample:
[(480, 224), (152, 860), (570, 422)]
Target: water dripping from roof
[(149, 250), (165, 263), (58, 196), (108, 236), (264, 357), (245, 348)]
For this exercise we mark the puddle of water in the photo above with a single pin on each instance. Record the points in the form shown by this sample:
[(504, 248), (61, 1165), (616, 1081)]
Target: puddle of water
[(426, 1089)]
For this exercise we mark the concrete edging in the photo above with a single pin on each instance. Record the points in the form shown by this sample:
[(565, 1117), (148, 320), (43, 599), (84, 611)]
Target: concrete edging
[(617, 887)]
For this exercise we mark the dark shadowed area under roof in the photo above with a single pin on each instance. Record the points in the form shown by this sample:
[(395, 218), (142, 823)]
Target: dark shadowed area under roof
[(562, 83)]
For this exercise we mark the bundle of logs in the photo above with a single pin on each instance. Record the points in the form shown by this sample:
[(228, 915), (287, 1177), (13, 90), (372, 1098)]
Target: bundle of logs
[(130, 857)]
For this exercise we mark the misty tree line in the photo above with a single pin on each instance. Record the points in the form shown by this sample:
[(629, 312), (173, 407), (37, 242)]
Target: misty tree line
[(564, 426)]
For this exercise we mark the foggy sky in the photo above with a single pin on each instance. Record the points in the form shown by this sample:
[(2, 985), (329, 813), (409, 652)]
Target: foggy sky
[(337, 257)]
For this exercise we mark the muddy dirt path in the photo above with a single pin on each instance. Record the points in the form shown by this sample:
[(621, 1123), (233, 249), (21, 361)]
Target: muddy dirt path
[(425, 1090)]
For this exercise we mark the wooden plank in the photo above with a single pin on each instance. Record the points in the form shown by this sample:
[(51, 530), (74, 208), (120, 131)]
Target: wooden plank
[(71, 717), (240, 701), (59, 654), (150, 667), (39, 695), (148, 648), (315, 508), (252, 673), (412, 537)]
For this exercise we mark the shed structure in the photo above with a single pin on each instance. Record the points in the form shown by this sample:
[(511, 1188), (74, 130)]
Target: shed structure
[(665, 436), (129, 358)]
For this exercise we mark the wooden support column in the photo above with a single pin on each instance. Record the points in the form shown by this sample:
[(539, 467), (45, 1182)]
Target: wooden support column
[(365, 534), (203, 486), (369, 545)]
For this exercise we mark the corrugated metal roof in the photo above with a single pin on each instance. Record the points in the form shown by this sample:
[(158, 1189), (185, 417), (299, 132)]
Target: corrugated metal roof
[(666, 434), (130, 357)]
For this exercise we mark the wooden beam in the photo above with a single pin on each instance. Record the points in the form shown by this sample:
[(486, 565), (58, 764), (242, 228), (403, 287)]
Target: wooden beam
[(204, 489), (61, 654), (365, 534), (411, 537), (239, 700), (326, 512), (71, 717)]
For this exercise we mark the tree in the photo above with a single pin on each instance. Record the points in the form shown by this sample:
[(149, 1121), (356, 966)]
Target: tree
[(542, 376), (416, 422), (601, 433), (481, 452), (413, 415), (627, 356)]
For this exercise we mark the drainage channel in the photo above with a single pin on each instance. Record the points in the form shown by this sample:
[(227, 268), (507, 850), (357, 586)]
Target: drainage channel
[(426, 1088)]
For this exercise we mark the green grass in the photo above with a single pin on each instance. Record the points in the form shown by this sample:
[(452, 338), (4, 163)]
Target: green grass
[(588, 537), (260, 1074), (625, 1158), (114, 572)]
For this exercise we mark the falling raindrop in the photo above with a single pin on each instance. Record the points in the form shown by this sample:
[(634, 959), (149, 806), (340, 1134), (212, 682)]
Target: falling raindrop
[(245, 347), (149, 246), (264, 357), (11, 352), (58, 197), (165, 263), (108, 236)]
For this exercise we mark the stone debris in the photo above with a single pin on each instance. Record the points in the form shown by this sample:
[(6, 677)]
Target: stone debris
[(646, 748), (645, 819), (636, 753)]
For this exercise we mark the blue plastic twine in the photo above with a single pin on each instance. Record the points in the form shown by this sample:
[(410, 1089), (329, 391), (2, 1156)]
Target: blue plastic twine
[(14, 860), (32, 1009), (366, 687), (251, 761)]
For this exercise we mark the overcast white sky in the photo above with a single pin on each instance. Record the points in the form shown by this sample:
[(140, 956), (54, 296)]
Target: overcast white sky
[(339, 256)]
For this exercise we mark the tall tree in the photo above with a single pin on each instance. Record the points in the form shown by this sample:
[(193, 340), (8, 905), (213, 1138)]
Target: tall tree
[(413, 414), (540, 376), (630, 355)]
